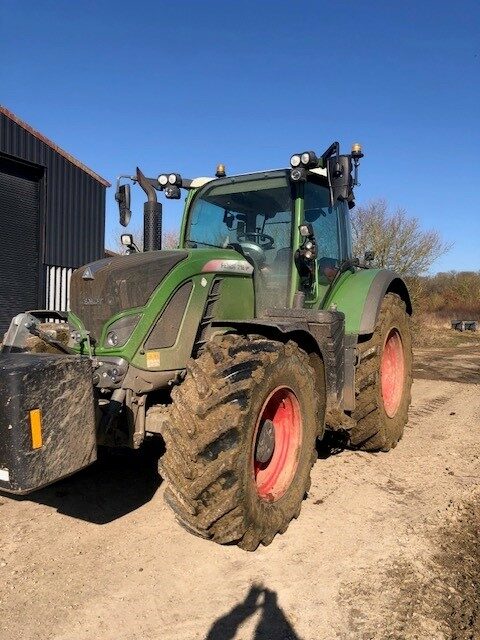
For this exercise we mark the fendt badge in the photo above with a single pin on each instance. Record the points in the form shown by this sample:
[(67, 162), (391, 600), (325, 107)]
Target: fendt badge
[(88, 275)]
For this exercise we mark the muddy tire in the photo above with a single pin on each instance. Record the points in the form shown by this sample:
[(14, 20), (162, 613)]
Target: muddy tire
[(384, 380), (235, 395)]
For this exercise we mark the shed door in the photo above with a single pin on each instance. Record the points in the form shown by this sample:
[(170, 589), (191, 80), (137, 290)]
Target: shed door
[(20, 239)]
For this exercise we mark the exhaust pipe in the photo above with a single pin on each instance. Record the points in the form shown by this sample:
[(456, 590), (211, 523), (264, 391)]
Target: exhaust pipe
[(152, 215)]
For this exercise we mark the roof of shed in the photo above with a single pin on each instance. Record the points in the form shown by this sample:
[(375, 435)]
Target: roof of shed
[(55, 147)]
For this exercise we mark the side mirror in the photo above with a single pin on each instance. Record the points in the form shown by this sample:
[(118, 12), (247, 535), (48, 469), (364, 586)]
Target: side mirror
[(123, 198), (228, 219), (339, 171)]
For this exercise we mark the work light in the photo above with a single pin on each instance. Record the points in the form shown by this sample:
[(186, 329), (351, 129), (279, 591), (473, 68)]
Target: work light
[(298, 174), (306, 230), (163, 179), (309, 159), (175, 178), (295, 160), (126, 239), (172, 192)]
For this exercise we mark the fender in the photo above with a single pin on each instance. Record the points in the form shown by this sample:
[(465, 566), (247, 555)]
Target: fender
[(315, 331), (359, 296)]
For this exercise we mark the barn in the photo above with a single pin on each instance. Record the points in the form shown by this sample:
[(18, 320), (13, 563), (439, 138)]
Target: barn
[(52, 215)]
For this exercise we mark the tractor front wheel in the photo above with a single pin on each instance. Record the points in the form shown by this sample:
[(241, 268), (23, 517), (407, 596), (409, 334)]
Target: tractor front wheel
[(240, 440), (383, 380)]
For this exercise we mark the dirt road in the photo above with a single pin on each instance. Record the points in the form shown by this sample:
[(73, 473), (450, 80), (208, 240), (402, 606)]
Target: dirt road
[(386, 546)]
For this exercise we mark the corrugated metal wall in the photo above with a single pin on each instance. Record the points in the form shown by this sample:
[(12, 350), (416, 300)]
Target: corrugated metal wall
[(75, 201), (57, 294), (21, 224)]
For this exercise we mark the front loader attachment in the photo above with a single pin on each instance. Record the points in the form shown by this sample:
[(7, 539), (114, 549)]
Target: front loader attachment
[(47, 419)]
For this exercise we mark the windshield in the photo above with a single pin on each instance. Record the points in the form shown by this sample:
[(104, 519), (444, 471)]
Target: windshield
[(255, 215)]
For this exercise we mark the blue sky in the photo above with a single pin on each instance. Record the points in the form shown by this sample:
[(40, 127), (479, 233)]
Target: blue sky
[(181, 86)]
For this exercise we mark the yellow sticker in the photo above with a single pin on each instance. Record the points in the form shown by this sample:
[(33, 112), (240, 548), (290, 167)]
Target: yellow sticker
[(153, 359), (36, 428)]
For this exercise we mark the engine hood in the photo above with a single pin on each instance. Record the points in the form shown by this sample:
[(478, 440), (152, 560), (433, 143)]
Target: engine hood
[(101, 289)]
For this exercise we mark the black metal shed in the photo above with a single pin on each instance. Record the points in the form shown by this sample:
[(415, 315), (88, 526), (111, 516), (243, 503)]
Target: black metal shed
[(52, 216)]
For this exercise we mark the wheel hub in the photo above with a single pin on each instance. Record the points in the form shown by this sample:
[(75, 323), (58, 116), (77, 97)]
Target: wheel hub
[(265, 442), (277, 444), (392, 373)]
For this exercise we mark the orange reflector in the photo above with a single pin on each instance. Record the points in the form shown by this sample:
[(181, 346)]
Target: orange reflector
[(36, 428)]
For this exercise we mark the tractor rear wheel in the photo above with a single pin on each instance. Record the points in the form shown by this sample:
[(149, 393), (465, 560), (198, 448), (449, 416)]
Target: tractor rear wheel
[(384, 380), (240, 440)]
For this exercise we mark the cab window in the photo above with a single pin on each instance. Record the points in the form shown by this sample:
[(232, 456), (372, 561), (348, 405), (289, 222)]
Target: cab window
[(250, 212), (255, 218)]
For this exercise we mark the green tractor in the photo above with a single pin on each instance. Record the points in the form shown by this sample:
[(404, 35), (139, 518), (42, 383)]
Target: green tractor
[(240, 349)]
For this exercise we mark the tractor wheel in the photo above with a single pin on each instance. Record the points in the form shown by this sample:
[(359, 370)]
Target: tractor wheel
[(384, 380), (240, 440)]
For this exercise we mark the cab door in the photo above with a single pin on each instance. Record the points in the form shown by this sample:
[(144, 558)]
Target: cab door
[(331, 229)]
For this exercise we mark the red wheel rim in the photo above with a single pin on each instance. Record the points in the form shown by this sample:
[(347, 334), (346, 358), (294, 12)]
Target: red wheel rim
[(392, 372), (272, 478)]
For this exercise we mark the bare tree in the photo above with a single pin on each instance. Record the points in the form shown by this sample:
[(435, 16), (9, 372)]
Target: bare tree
[(170, 239), (397, 239)]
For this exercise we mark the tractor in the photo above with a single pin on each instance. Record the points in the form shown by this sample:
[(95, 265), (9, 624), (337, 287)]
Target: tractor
[(256, 337)]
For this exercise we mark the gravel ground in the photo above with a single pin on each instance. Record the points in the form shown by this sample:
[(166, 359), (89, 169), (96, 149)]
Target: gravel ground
[(386, 546)]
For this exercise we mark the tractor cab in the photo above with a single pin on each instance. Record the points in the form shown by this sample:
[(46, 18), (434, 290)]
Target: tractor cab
[(291, 225), (254, 216), (259, 216)]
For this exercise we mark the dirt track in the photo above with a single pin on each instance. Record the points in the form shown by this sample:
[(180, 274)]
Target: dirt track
[(386, 546)]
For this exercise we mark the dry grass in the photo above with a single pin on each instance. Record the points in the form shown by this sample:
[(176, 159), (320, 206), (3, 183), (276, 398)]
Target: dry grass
[(434, 330)]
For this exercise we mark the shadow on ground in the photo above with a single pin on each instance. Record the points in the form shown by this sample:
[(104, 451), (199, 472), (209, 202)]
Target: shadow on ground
[(121, 481), (273, 622), (117, 484), (332, 443)]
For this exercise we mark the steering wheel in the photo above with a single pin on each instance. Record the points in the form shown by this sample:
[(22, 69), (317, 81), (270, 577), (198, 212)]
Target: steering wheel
[(252, 252), (262, 240)]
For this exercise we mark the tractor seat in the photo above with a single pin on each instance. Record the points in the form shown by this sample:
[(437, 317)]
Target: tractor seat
[(281, 262)]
